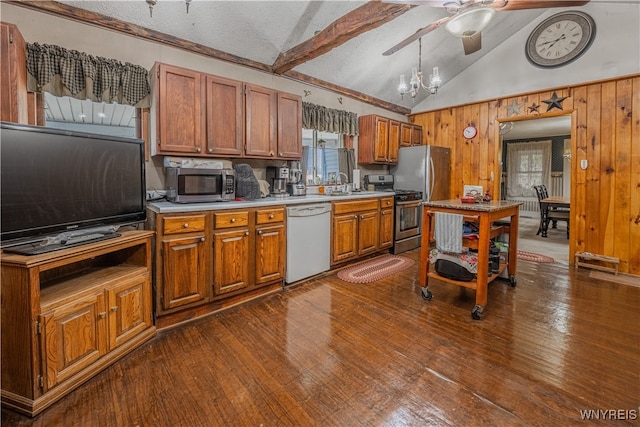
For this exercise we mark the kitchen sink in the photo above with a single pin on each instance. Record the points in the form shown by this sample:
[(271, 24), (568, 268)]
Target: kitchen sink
[(339, 193)]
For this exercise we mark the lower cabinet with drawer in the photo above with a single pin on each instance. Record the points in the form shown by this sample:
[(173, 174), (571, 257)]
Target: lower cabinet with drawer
[(249, 249), (182, 261), (355, 229), (209, 260)]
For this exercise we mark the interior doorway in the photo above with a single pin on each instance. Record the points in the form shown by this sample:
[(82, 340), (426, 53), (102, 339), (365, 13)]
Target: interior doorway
[(531, 143)]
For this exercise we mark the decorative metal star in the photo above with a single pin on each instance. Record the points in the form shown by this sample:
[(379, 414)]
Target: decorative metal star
[(534, 108), (514, 108), (554, 102)]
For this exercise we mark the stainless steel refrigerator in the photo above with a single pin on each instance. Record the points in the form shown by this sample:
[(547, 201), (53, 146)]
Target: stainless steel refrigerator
[(423, 168)]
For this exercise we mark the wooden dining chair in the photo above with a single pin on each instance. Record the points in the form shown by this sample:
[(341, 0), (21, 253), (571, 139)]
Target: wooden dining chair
[(551, 215)]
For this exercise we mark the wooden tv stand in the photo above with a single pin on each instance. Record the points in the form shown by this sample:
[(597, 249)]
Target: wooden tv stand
[(68, 314)]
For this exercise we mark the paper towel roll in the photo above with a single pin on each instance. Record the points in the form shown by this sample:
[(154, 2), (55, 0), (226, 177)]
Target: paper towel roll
[(356, 179)]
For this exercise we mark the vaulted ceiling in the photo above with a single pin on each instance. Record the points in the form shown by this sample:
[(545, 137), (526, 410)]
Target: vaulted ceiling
[(338, 45)]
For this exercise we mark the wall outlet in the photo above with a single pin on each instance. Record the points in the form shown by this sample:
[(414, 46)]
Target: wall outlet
[(583, 164)]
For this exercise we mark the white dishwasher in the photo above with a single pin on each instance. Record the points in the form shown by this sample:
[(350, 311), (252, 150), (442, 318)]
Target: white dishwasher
[(308, 240)]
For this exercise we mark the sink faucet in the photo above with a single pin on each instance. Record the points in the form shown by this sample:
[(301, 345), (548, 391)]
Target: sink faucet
[(345, 176)]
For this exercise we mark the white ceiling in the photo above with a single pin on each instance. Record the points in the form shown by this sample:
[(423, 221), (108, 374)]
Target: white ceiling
[(261, 30)]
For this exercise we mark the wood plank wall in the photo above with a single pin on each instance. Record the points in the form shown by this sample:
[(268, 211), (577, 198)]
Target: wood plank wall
[(605, 131)]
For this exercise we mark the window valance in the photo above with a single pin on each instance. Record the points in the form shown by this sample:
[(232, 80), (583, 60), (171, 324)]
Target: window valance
[(79, 75), (329, 120)]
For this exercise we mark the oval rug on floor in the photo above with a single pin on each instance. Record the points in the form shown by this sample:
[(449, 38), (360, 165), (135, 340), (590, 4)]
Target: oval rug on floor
[(533, 257), (375, 269)]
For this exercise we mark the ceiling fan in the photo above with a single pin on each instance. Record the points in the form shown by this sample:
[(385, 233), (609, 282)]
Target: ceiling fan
[(470, 17)]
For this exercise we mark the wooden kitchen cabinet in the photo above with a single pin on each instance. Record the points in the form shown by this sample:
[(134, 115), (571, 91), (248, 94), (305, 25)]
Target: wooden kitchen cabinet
[(250, 249), (289, 126), (416, 135), (180, 108), (368, 232), (208, 260), (13, 78), (71, 313), (231, 243), (355, 229), (270, 245), (183, 254), (386, 222), (202, 115), (410, 135), (224, 113), (379, 140), (273, 123)]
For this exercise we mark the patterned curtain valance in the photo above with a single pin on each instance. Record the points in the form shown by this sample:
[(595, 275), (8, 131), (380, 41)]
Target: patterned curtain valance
[(329, 120), (65, 72)]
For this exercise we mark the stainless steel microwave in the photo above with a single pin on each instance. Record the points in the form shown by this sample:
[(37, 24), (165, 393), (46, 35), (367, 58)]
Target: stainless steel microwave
[(185, 185)]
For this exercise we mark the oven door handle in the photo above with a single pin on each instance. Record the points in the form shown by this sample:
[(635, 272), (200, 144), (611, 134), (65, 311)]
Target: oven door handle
[(409, 203)]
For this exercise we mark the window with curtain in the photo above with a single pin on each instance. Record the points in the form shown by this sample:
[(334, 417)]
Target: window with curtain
[(324, 158), (86, 92), (528, 164)]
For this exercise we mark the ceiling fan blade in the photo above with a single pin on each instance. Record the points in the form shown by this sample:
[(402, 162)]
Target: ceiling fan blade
[(421, 32), (535, 4), (472, 43)]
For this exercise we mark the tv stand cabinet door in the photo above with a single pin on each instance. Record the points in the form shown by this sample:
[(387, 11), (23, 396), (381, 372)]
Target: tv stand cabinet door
[(74, 337), (129, 308)]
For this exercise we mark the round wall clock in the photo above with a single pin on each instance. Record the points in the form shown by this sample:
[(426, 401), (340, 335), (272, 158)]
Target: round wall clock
[(560, 39), (470, 132)]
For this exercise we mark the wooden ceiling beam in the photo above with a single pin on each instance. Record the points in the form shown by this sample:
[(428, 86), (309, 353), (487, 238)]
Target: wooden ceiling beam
[(294, 75), (360, 20)]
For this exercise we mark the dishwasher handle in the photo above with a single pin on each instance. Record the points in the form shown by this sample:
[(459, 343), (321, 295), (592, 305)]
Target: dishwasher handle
[(308, 210)]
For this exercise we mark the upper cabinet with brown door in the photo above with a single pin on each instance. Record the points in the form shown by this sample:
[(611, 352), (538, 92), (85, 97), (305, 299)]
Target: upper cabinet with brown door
[(379, 140), (13, 78), (179, 98), (202, 115), (410, 135), (273, 123)]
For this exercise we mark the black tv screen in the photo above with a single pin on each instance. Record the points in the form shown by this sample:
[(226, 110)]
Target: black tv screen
[(54, 181)]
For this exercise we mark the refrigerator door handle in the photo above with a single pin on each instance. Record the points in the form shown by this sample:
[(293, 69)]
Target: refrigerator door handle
[(431, 178)]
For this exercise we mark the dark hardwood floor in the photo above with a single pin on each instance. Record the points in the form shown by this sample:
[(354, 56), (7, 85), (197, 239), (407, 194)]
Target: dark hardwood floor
[(331, 353)]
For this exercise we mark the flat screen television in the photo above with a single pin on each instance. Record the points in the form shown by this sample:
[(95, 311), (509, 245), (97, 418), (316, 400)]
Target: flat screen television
[(56, 181)]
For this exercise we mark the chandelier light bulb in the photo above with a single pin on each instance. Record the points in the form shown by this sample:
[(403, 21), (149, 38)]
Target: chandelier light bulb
[(403, 87)]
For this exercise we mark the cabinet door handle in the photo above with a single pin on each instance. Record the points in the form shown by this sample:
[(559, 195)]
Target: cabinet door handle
[(260, 231), (102, 314), (185, 225), (198, 150), (211, 150), (202, 239), (233, 220), (281, 155), (114, 308), (271, 216), (361, 216), (246, 233), (355, 216)]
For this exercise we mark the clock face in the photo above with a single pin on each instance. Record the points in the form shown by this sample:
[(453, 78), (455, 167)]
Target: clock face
[(560, 39), (470, 132)]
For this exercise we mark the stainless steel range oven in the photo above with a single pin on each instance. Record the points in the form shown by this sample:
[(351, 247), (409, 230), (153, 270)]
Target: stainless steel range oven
[(408, 220)]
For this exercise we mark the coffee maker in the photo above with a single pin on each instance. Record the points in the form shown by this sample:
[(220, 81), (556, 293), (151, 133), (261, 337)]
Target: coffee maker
[(278, 178), (296, 186)]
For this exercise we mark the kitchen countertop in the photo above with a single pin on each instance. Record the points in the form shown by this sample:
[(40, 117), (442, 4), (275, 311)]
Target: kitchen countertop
[(491, 206), (168, 207)]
